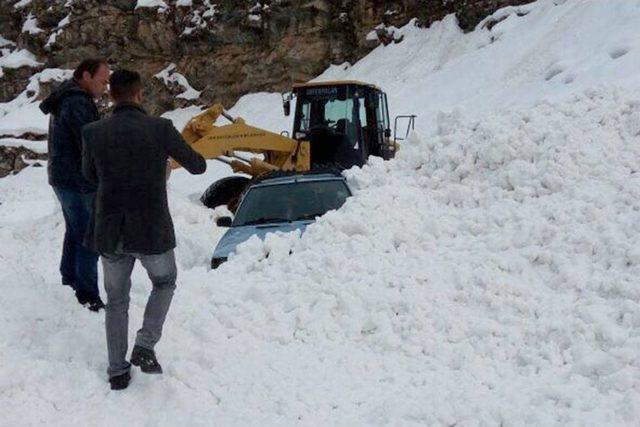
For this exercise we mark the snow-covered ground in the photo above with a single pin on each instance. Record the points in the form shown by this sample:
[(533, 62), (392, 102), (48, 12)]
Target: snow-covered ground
[(21, 114), (487, 276)]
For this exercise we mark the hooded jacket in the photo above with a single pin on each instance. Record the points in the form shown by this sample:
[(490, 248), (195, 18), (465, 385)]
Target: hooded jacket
[(70, 108)]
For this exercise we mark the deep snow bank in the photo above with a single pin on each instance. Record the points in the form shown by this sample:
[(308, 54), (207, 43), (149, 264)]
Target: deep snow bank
[(486, 276), (500, 256), (549, 49)]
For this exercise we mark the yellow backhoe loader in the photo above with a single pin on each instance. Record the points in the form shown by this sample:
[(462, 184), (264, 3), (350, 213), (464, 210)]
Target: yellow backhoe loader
[(338, 123)]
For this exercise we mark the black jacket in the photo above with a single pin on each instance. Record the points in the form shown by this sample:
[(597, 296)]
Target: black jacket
[(71, 108), (126, 155)]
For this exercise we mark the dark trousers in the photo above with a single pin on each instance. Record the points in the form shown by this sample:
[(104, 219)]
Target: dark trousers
[(79, 265)]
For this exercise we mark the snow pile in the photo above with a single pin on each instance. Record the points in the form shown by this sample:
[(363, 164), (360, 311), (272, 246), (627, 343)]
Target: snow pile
[(492, 282), (497, 266), (487, 276)]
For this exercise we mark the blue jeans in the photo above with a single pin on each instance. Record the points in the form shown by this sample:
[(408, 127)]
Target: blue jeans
[(79, 265)]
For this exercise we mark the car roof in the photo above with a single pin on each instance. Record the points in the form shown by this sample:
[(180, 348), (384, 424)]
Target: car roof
[(290, 179)]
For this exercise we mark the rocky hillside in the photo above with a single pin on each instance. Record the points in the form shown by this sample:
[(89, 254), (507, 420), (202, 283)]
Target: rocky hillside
[(204, 51)]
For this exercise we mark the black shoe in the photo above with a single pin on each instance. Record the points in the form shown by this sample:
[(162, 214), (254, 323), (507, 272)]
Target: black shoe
[(120, 382), (82, 297), (95, 304), (146, 360)]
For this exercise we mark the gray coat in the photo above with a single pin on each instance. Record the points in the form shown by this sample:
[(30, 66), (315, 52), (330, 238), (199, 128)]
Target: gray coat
[(125, 155)]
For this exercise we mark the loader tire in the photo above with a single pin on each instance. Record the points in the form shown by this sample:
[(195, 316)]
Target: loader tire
[(223, 191)]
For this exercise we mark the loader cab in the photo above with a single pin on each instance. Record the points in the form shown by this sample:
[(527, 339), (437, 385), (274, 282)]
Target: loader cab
[(345, 122)]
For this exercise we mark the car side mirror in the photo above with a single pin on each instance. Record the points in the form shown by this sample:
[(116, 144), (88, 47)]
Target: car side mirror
[(387, 133), (224, 221)]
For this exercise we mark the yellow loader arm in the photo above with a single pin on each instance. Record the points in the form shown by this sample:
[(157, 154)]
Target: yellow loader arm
[(222, 142)]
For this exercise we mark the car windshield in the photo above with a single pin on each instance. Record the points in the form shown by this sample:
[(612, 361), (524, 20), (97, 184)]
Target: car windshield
[(290, 202)]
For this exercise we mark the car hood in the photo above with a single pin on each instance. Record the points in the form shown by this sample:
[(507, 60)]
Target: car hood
[(236, 235)]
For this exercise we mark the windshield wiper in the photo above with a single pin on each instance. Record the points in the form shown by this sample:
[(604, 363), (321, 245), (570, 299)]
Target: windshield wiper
[(266, 221)]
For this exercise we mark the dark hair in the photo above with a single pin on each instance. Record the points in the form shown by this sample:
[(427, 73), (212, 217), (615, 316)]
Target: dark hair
[(124, 84), (91, 65)]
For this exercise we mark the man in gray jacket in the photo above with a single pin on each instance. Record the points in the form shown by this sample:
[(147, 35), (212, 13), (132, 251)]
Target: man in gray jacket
[(126, 156)]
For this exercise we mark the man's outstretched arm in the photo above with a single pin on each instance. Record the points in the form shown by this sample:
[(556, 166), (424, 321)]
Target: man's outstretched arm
[(181, 152)]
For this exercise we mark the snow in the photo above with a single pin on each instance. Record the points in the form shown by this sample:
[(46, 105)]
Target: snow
[(550, 53), (31, 25), (36, 146), (381, 29), (65, 21), (21, 4), (486, 276), (22, 115), (211, 9), (151, 3), (4, 42), (17, 59), (54, 34), (200, 18), (262, 110), (181, 116), (170, 76), (372, 36)]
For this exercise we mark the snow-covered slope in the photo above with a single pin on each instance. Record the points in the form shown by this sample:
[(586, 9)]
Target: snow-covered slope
[(487, 276), (541, 51)]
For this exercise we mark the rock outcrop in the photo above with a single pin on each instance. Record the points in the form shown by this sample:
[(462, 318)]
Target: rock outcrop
[(12, 159), (222, 49)]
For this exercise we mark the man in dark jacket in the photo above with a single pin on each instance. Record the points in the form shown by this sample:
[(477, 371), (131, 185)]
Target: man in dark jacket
[(71, 107), (126, 156)]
